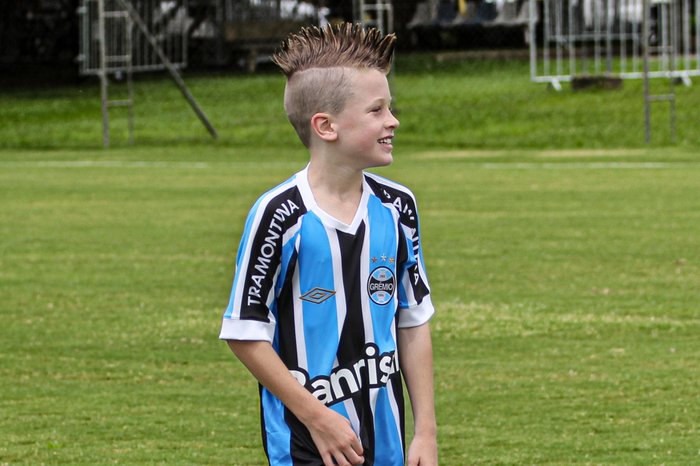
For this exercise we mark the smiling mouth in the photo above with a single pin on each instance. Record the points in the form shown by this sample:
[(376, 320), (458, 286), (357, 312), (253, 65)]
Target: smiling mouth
[(384, 141)]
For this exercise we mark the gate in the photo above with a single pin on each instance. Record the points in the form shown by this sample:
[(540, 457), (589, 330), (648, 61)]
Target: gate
[(574, 38), (120, 37), (166, 21)]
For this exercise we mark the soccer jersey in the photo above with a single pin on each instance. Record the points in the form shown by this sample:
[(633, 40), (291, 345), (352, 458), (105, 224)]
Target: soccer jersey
[(330, 297)]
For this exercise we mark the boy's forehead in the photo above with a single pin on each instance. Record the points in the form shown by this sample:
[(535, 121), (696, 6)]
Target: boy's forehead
[(370, 80), (370, 86)]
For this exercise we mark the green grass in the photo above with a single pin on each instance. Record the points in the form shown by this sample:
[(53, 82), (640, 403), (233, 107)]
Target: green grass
[(468, 104), (565, 280), (566, 290)]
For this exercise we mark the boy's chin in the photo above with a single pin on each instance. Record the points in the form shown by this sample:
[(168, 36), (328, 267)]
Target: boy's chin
[(383, 162)]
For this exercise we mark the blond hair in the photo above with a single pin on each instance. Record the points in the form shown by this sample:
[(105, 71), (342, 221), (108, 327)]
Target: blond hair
[(315, 62)]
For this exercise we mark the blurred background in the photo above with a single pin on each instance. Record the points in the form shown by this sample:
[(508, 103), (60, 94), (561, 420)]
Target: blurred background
[(582, 43), (239, 33)]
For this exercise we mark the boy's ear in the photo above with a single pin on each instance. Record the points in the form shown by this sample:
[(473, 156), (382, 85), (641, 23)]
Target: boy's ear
[(322, 125)]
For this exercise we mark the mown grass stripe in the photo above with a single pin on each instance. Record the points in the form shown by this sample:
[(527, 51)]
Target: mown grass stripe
[(207, 165)]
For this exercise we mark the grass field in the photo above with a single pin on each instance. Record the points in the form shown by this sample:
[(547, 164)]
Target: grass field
[(465, 105), (565, 274)]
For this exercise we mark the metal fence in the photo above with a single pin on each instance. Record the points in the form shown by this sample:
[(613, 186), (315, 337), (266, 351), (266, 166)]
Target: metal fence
[(374, 13), (571, 38), (127, 45)]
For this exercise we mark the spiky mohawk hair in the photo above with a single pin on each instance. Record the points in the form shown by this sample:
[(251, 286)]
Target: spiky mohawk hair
[(346, 45), (320, 64)]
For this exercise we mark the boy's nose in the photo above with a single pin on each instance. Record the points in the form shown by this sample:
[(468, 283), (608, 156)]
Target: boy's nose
[(393, 122)]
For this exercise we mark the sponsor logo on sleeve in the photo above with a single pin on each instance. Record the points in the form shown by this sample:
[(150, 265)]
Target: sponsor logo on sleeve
[(267, 252)]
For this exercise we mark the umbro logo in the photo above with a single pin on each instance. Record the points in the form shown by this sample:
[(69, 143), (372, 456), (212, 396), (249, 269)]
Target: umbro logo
[(317, 295)]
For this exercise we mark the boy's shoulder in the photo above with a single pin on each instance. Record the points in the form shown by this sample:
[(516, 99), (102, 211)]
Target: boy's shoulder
[(395, 194), (281, 202), (387, 189), (287, 199), (284, 185), (288, 187)]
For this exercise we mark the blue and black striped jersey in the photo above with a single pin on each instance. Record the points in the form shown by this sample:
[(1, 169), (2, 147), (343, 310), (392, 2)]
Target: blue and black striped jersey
[(330, 297)]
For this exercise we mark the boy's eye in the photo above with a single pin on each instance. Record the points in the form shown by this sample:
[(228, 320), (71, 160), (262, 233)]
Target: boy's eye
[(376, 109)]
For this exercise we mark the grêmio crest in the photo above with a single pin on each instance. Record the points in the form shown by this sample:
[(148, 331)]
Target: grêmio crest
[(381, 285)]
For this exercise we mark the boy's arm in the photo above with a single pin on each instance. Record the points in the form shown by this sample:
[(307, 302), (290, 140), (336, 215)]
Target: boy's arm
[(416, 360), (330, 431)]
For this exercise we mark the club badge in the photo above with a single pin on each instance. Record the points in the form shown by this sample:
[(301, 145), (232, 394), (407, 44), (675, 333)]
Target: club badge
[(381, 285)]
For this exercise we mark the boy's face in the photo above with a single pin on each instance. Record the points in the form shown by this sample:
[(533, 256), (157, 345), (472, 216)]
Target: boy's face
[(366, 125)]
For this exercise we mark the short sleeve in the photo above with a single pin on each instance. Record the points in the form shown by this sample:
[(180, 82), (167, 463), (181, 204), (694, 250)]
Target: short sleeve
[(415, 304), (249, 314)]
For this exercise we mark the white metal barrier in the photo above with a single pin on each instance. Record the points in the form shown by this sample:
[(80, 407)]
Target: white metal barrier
[(126, 36), (573, 38), (375, 13), (167, 23)]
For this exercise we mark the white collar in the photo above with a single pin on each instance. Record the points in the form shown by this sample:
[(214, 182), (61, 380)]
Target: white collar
[(308, 196)]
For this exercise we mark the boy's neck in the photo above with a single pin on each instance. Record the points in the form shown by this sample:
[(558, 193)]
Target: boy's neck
[(340, 180), (337, 189)]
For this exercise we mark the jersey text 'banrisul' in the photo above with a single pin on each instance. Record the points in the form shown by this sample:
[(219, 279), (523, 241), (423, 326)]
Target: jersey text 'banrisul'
[(330, 298)]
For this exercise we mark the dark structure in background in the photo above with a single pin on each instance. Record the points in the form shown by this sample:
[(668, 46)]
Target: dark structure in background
[(241, 32), (38, 31), (468, 24), (45, 32)]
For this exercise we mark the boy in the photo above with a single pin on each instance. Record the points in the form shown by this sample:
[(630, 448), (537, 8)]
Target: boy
[(330, 295)]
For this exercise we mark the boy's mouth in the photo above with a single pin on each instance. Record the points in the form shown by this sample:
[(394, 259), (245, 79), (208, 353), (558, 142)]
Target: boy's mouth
[(386, 140)]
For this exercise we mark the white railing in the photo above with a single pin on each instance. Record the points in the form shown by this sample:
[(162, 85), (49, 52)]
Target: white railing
[(572, 38), (167, 23)]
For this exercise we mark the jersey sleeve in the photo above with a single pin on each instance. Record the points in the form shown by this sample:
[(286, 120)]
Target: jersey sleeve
[(250, 312), (415, 305)]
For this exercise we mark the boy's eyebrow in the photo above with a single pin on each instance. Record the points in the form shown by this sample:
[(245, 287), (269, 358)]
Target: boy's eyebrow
[(380, 100)]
